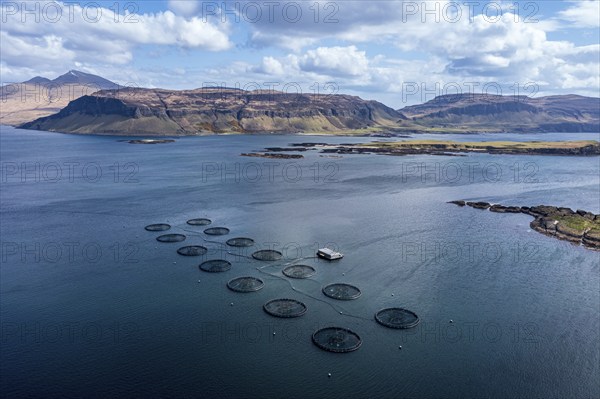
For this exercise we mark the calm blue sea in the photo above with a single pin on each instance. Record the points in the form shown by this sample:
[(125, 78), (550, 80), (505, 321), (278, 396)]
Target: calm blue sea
[(92, 305)]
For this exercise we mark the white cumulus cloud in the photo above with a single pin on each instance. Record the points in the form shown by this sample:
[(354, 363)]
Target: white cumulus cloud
[(94, 35), (335, 61), (583, 14)]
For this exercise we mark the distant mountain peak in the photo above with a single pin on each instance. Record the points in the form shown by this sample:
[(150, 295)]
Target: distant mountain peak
[(38, 80), (74, 72), (76, 77), (83, 78)]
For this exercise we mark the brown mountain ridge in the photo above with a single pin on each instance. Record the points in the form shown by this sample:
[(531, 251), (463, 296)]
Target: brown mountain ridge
[(159, 112), (218, 110)]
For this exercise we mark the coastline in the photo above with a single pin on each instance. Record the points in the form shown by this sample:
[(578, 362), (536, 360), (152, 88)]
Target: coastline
[(576, 226), (453, 148)]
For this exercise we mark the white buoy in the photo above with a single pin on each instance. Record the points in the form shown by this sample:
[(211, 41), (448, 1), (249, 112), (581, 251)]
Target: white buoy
[(273, 332), (400, 347), (341, 312), (329, 375), (199, 280), (451, 321), (174, 263), (231, 304), (392, 294)]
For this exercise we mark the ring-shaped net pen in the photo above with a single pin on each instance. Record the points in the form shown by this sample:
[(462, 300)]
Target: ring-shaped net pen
[(397, 318), (268, 255), (342, 291), (285, 308), (240, 242), (199, 222), (171, 238), (245, 284), (337, 339), (192, 250), (216, 231), (299, 271), (158, 227), (215, 266)]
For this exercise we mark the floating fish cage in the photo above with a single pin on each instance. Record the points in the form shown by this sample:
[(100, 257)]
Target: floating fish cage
[(286, 308), (192, 250), (245, 284), (216, 231), (341, 291), (199, 222), (158, 227), (299, 271), (268, 255), (171, 238), (215, 266), (337, 339), (397, 318), (240, 242)]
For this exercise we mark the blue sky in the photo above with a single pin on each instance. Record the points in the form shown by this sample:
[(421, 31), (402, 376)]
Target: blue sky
[(397, 52)]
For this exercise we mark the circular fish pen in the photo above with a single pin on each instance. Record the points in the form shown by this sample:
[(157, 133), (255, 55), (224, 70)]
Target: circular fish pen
[(397, 318), (299, 271), (158, 227), (215, 266), (199, 222), (286, 308), (171, 238), (337, 339), (245, 284), (341, 291), (192, 250), (267, 255), (216, 231), (240, 242)]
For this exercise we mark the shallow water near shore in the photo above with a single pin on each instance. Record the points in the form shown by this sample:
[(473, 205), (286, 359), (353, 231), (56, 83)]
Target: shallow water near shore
[(92, 305)]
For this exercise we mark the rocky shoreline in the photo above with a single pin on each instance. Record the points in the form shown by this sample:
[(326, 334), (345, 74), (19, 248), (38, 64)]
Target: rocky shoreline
[(271, 155), (148, 141), (577, 226)]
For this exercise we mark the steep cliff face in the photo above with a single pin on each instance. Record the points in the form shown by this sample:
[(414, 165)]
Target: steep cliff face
[(167, 112), (569, 113)]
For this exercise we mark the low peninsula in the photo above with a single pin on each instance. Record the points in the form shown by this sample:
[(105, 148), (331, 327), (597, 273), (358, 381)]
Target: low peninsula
[(452, 148), (271, 155), (580, 227), (149, 141)]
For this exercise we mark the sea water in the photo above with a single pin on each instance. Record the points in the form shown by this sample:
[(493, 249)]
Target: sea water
[(93, 306)]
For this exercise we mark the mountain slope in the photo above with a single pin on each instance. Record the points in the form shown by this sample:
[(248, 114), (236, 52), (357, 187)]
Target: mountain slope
[(38, 80), (567, 113), (40, 96), (79, 102), (82, 78), (218, 110)]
